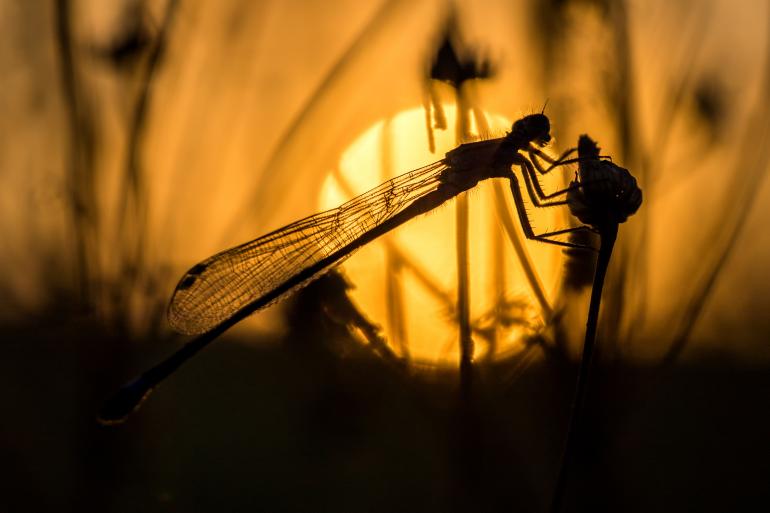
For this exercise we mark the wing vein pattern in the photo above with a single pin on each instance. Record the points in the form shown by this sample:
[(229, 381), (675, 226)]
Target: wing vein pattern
[(217, 288)]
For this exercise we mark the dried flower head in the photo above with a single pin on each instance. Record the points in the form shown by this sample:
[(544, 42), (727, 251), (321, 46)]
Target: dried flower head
[(608, 193)]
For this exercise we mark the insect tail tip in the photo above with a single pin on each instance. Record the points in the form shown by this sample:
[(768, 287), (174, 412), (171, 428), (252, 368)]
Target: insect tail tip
[(128, 399)]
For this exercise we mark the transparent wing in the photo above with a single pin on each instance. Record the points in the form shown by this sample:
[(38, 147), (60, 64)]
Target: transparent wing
[(217, 288)]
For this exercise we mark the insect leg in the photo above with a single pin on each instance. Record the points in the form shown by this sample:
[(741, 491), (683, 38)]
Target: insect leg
[(534, 153), (560, 161), (534, 189), (582, 228), (554, 162), (526, 225)]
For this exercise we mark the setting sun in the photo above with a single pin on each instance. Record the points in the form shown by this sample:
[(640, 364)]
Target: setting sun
[(406, 282)]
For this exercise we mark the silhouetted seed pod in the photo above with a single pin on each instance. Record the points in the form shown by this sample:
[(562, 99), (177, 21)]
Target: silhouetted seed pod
[(609, 193)]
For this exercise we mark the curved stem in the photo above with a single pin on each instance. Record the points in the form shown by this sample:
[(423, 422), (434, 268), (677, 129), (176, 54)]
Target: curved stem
[(608, 235)]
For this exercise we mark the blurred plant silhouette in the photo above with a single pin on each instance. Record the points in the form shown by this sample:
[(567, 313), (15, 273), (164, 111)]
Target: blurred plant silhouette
[(142, 135)]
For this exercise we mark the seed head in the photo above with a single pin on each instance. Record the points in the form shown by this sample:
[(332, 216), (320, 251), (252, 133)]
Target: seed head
[(607, 194)]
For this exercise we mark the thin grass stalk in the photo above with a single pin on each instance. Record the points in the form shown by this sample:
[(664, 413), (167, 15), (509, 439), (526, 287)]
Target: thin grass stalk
[(626, 123), (741, 195), (509, 225), (132, 213), (394, 294), (463, 279), (80, 166), (653, 156), (608, 234), (401, 257), (497, 254), (469, 422), (331, 81)]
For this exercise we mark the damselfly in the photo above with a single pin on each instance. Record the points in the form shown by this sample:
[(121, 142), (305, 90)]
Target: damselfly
[(229, 286)]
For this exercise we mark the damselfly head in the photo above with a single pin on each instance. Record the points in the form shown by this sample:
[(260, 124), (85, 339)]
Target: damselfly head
[(533, 128), (607, 193)]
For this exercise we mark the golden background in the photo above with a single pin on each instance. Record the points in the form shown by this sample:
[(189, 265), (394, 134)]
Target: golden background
[(140, 137)]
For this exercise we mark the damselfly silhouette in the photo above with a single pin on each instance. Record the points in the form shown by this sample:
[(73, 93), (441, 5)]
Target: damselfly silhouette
[(229, 286)]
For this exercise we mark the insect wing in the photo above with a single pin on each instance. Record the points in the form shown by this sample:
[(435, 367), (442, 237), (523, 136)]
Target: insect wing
[(217, 288)]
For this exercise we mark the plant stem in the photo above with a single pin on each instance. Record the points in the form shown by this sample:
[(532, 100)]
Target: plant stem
[(80, 165), (608, 234), (463, 135)]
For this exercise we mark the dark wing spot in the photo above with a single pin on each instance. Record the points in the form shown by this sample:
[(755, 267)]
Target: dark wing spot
[(186, 282), (197, 269), (191, 276)]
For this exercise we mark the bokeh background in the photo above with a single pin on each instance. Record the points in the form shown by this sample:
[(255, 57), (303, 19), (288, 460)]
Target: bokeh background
[(139, 137)]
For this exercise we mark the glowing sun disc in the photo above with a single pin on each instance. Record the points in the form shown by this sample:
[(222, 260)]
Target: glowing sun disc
[(406, 282)]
